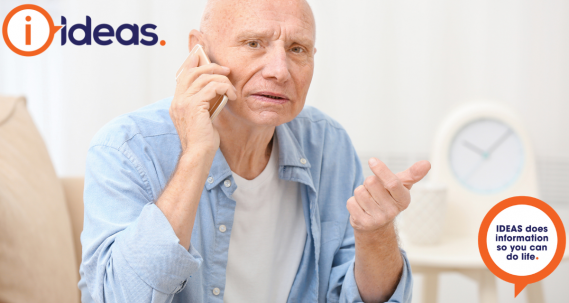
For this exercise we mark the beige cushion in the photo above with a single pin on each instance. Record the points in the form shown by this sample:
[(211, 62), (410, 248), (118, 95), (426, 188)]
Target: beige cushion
[(37, 260)]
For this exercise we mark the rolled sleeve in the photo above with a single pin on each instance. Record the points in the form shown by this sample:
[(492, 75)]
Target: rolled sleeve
[(152, 250), (403, 292), (130, 251)]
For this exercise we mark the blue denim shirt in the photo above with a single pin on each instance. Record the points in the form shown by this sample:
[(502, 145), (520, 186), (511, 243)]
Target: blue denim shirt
[(131, 253)]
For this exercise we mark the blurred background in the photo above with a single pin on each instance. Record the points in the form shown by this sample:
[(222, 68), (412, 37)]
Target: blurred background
[(389, 71)]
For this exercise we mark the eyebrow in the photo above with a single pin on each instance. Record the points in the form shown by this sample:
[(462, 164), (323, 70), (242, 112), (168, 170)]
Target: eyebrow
[(264, 34)]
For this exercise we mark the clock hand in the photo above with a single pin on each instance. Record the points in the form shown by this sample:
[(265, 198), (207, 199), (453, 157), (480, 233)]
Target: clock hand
[(475, 148), (476, 168), (499, 141)]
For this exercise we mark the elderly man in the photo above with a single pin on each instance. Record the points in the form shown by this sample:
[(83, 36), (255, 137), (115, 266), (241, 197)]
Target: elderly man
[(266, 204)]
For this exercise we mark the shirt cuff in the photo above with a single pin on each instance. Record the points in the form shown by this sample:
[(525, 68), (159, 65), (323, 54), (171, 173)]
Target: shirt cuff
[(152, 249), (404, 290), (402, 294)]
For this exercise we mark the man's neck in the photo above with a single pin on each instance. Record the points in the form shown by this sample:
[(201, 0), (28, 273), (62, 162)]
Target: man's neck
[(246, 148)]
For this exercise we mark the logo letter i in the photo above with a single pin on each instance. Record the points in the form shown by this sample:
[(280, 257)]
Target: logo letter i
[(28, 31)]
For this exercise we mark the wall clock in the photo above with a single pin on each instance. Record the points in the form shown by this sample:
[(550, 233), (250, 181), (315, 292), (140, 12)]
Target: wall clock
[(483, 155)]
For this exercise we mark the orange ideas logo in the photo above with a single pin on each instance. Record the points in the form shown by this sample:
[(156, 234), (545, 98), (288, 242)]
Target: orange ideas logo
[(17, 30), (29, 30)]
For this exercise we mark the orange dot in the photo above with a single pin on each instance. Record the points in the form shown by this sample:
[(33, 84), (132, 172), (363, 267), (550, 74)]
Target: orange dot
[(536, 258), (162, 42), (28, 18)]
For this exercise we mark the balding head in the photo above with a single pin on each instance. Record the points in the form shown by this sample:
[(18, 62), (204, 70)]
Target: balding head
[(269, 47), (217, 12)]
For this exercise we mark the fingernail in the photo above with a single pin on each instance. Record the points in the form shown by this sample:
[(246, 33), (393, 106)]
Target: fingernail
[(372, 162), (225, 68)]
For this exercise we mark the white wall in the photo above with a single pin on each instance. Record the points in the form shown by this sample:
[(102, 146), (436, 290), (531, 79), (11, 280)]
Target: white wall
[(387, 70), (410, 62)]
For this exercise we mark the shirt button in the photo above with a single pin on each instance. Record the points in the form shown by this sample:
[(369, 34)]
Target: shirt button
[(227, 183), (222, 228), (216, 291), (302, 160), (210, 180)]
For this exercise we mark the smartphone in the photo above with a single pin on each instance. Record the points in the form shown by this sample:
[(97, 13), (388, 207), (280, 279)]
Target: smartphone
[(216, 104)]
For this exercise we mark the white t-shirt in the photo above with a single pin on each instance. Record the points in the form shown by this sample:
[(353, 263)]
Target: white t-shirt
[(267, 237)]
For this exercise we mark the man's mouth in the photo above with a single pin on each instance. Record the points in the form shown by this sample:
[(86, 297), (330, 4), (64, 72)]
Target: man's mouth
[(271, 97)]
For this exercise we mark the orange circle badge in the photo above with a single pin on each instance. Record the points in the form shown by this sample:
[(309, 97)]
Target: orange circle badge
[(522, 240), (28, 30)]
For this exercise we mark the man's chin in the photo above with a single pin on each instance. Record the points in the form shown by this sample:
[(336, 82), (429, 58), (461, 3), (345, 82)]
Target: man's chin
[(268, 113), (253, 113), (267, 118)]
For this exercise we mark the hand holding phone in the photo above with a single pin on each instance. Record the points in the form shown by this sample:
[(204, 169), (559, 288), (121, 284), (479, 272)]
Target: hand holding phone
[(217, 103), (202, 89)]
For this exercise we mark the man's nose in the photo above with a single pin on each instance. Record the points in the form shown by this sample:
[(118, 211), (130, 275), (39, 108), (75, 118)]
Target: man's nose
[(276, 66)]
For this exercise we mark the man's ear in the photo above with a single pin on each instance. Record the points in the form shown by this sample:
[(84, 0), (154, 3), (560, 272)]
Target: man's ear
[(315, 50), (196, 37)]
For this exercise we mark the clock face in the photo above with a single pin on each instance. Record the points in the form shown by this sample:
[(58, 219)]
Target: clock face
[(486, 156)]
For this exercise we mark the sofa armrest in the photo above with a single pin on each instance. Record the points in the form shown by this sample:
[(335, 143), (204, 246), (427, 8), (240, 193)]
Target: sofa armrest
[(73, 187)]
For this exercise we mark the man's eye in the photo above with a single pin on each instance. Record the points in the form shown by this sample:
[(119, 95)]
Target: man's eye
[(253, 44), (297, 50)]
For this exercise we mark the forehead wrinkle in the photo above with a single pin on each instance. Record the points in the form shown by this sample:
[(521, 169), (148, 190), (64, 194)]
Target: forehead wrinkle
[(258, 28), (295, 30)]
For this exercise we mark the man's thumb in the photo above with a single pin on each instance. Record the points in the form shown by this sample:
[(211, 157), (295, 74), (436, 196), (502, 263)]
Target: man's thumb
[(414, 173)]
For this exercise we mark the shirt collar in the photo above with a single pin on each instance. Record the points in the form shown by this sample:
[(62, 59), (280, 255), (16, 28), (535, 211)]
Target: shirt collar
[(290, 154)]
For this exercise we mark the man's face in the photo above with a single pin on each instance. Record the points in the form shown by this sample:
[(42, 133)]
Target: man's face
[(269, 47)]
